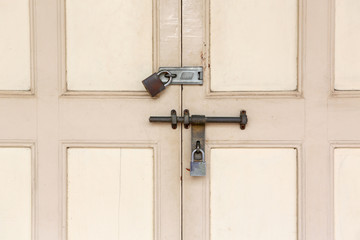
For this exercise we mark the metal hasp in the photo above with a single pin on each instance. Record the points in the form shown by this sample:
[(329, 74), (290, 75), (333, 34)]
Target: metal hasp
[(197, 122), (157, 82), (183, 75), (198, 163)]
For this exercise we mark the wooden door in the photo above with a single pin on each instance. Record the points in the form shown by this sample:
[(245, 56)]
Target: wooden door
[(78, 157), (294, 67)]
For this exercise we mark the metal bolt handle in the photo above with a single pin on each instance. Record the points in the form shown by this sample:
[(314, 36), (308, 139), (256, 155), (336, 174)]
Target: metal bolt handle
[(200, 119)]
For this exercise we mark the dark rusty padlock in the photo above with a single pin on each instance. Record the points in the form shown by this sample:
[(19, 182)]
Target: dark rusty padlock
[(154, 85)]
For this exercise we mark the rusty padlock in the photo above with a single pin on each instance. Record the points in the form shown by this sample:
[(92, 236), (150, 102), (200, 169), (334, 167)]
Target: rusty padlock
[(154, 85)]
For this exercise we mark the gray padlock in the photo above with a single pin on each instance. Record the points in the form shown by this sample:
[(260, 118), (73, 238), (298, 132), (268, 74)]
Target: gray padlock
[(154, 85), (198, 169)]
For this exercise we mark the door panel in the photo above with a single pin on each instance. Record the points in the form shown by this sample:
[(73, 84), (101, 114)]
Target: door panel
[(110, 193), (15, 35), (347, 49), (111, 115), (253, 193), (346, 193), (253, 45), (109, 44), (16, 184), (118, 118), (344, 105), (278, 118)]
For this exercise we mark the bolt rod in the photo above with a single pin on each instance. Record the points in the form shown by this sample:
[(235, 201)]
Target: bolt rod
[(207, 119)]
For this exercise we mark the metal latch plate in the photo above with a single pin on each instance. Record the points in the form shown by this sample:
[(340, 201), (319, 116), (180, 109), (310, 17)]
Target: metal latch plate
[(184, 75)]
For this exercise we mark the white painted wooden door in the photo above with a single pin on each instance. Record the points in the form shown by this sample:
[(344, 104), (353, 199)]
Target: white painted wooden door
[(78, 156), (79, 159), (293, 65)]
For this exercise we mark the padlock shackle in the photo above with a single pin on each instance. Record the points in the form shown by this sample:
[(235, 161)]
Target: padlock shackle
[(202, 154), (169, 74)]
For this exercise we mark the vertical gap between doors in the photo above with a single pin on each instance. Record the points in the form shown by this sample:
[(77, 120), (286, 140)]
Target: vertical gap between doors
[(182, 127)]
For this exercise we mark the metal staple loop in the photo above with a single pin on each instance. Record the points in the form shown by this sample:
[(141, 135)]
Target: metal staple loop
[(197, 147), (186, 118), (173, 119)]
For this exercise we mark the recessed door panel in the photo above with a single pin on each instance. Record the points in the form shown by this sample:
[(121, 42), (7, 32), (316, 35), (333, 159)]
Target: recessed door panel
[(253, 194), (347, 49), (15, 60), (109, 44), (110, 193), (347, 193), (15, 194), (253, 45)]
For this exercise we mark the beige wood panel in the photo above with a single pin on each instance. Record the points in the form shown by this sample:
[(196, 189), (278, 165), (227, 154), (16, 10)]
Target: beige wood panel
[(274, 122), (343, 113), (253, 45), (346, 193), (110, 193), (15, 45), (347, 49), (53, 121), (109, 44), (16, 193), (253, 194), (276, 119)]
